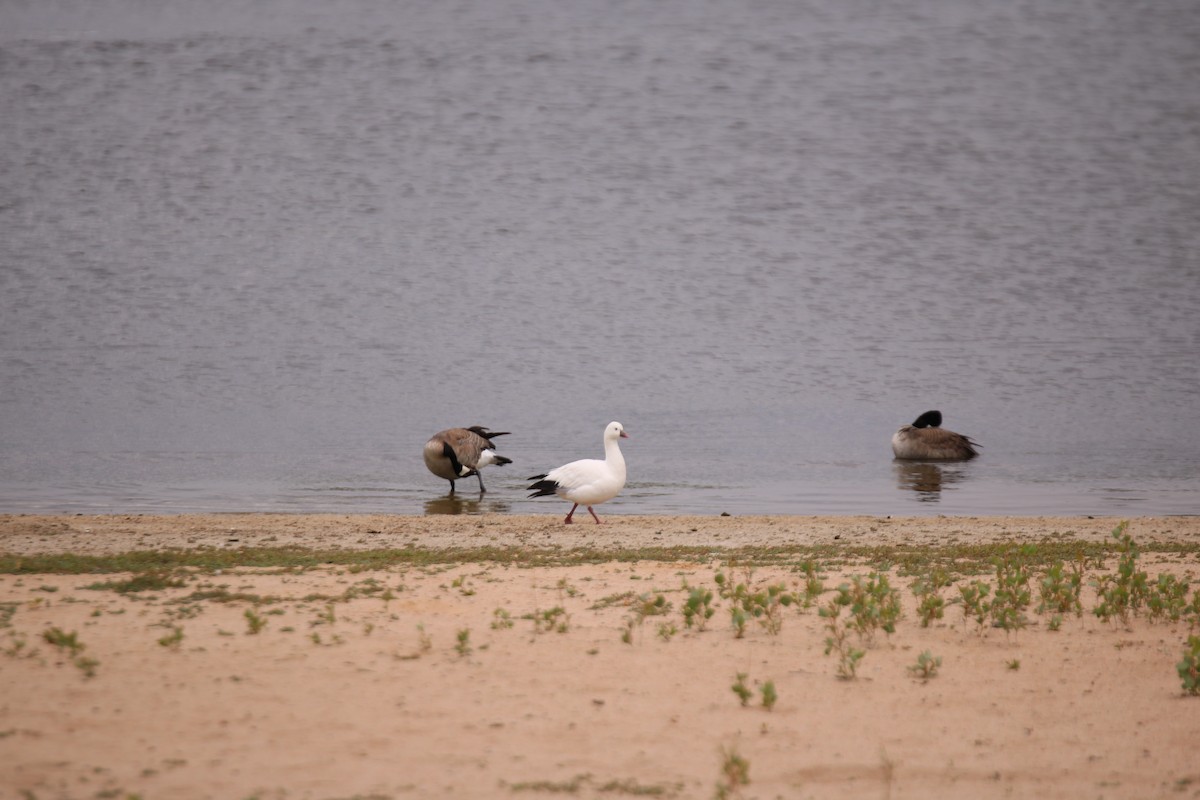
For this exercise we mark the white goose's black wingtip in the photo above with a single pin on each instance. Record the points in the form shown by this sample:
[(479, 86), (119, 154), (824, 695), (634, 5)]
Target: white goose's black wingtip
[(541, 487)]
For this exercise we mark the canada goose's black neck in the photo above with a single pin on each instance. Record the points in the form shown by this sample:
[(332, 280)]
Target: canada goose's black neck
[(930, 419)]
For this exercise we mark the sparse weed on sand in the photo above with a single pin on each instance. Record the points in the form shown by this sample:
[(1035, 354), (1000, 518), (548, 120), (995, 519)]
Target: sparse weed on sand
[(928, 591), (698, 608), (1189, 666), (463, 646), (172, 640), (70, 642), (650, 604), (764, 603), (838, 638), (254, 622), (927, 666), (735, 774)]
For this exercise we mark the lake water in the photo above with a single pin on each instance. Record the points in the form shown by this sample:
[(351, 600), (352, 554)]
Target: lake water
[(252, 254)]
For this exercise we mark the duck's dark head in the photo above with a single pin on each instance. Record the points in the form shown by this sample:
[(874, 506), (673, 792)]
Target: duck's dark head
[(930, 419)]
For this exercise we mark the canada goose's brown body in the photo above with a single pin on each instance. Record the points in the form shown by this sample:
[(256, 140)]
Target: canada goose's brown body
[(926, 440), (461, 452)]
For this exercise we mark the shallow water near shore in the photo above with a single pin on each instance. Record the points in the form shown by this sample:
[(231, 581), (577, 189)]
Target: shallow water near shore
[(253, 257)]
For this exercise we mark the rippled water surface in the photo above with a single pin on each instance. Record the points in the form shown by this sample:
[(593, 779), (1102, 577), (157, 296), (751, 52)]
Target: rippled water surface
[(253, 254)]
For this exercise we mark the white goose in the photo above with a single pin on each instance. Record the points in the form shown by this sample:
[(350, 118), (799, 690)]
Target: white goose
[(925, 439), (461, 452), (587, 482)]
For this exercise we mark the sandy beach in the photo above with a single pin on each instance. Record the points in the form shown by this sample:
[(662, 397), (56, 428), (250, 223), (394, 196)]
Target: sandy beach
[(340, 656)]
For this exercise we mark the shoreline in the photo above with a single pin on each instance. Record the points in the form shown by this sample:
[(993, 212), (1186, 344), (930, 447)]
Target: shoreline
[(30, 534)]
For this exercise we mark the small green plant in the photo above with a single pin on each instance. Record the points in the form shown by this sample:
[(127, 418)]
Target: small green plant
[(1166, 599), (16, 647), (928, 591), (768, 604), (650, 604), (555, 619), (735, 774), (1014, 664), (838, 639), (738, 618), (463, 647), (316, 639), (87, 665), (1121, 595), (973, 597), (769, 695), (1013, 594), (1189, 666), (63, 640), (927, 665), (666, 630), (326, 617), (254, 623), (763, 603), (424, 645), (70, 642), (873, 605), (501, 620), (1059, 589), (813, 585), (698, 608), (173, 639), (740, 688)]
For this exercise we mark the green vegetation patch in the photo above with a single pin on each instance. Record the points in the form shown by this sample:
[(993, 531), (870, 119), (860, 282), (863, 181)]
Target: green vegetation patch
[(955, 559)]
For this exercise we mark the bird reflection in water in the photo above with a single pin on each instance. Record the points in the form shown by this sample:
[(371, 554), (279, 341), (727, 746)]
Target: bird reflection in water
[(458, 504), (927, 478)]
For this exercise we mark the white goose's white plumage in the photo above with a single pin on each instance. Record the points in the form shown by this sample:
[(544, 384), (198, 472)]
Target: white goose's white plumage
[(587, 482)]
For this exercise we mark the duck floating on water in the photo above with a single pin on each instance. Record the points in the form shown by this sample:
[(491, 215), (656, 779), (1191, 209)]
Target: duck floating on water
[(926, 440)]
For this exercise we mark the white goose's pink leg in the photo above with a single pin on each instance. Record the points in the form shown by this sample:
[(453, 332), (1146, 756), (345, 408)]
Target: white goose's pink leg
[(568, 520), (593, 513)]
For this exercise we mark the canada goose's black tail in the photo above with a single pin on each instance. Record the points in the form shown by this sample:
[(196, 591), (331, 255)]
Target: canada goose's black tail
[(500, 461), (485, 433)]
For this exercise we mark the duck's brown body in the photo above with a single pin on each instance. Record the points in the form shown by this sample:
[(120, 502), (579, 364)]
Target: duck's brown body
[(926, 440)]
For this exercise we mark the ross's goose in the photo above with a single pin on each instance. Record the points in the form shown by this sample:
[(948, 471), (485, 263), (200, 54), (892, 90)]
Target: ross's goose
[(461, 452), (926, 440), (587, 482)]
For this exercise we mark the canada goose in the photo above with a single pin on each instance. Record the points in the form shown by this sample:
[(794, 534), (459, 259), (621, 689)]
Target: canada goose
[(926, 440), (589, 481), (461, 452)]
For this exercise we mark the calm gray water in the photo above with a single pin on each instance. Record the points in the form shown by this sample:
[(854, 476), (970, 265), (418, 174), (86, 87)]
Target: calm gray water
[(252, 254)]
